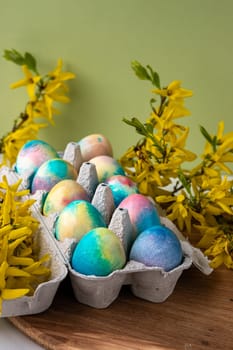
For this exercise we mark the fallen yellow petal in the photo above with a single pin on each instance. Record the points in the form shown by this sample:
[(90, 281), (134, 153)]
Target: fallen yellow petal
[(15, 260), (8, 294), (16, 272), (19, 232)]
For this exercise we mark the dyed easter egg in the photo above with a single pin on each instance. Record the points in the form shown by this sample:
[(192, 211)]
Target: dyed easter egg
[(106, 166), (98, 253), (61, 194), (51, 172), (76, 219), (95, 145), (31, 156), (157, 246), (121, 187), (142, 212)]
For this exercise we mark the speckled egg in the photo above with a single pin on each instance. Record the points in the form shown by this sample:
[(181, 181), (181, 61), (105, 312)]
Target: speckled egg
[(31, 156), (95, 145), (142, 212), (121, 187), (106, 166), (98, 253), (157, 246), (76, 219), (61, 194), (51, 172)]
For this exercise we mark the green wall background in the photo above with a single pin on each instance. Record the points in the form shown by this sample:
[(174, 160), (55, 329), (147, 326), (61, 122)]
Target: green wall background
[(188, 40)]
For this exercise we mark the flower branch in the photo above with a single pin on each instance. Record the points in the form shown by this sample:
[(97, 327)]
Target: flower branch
[(43, 92), (198, 200)]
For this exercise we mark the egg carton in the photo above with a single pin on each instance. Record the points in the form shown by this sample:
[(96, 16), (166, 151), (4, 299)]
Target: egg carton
[(45, 292), (149, 283)]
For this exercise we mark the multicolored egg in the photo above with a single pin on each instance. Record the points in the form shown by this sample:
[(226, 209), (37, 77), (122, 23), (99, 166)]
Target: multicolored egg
[(142, 212), (61, 194), (121, 187), (76, 219), (31, 156), (106, 166), (98, 253), (157, 246), (51, 172), (95, 145)]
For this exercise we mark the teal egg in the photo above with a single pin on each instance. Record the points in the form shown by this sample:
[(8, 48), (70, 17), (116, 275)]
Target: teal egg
[(121, 187), (98, 253), (51, 172), (76, 219)]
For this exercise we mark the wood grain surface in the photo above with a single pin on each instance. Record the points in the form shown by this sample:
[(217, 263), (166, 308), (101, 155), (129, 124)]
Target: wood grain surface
[(197, 316)]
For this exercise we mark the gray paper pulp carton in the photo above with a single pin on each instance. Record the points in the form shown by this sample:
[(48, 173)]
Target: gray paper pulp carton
[(149, 283)]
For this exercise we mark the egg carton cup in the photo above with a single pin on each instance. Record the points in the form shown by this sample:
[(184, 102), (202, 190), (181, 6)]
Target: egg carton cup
[(149, 283)]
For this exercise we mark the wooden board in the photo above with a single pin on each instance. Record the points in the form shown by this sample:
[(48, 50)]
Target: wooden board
[(197, 316)]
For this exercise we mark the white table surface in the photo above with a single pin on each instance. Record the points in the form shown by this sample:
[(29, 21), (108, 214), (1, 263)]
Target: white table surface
[(11, 338)]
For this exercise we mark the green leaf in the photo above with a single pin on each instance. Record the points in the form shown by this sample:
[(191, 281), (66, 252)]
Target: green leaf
[(146, 73), (140, 128), (184, 181), (14, 56), (140, 71), (149, 128), (154, 77), (206, 135), (214, 143), (145, 130), (30, 61)]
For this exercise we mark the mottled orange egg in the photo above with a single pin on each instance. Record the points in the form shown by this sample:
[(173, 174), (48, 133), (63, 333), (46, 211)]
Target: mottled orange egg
[(95, 145)]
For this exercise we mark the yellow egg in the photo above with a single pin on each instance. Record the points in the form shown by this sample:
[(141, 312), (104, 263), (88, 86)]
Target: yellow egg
[(62, 194)]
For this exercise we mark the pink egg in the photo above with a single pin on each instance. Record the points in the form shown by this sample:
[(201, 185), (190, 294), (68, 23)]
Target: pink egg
[(95, 145), (142, 212), (31, 156), (51, 172)]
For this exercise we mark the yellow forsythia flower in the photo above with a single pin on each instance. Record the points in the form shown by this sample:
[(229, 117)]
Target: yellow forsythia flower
[(198, 200), (43, 92), (21, 269)]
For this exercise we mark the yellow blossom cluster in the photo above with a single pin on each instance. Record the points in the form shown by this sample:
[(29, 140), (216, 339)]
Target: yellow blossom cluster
[(20, 268), (43, 92), (198, 200)]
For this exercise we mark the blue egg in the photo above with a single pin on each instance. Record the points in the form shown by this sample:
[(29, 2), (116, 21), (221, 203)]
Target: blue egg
[(157, 246)]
